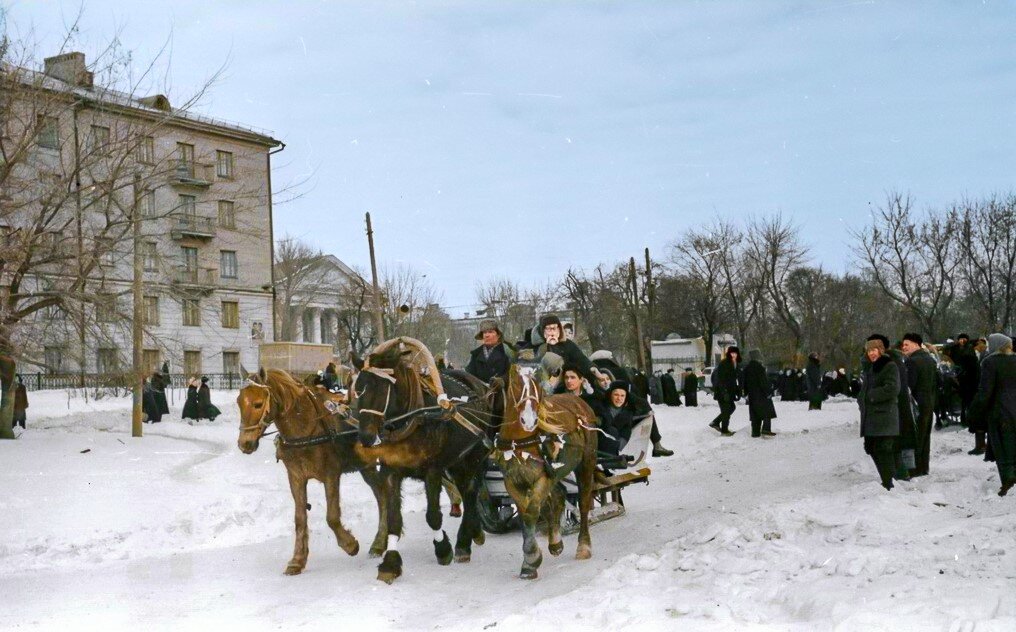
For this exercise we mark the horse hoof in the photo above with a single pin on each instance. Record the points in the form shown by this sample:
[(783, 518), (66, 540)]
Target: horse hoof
[(352, 549), (390, 567), (443, 551), (528, 573), (583, 553), (293, 569), (463, 557), (375, 552), (555, 548), (479, 538)]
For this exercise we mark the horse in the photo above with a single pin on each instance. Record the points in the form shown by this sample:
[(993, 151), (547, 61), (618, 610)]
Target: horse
[(314, 442), (409, 436), (541, 440)]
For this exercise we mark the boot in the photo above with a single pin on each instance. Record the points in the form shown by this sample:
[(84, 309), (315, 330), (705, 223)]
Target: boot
[(659, 450), (978, 443)]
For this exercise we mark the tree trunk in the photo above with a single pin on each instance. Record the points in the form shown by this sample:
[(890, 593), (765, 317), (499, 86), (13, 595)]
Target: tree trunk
[(8, 385)]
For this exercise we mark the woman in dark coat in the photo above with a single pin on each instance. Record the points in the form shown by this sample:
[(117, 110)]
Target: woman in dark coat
[(149, 405), (190, 406), (159, 383), (690, 388), (206, 409), (880, 413), (20, 405), (726, 389), (995, 401), (758, 390)]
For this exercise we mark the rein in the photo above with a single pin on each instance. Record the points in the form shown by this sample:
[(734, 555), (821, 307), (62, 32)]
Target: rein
[(264, 423)]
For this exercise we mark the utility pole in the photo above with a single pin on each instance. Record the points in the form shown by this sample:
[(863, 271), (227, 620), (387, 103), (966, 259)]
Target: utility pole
[(379, 323), (650, 311), (138, 296), (635, 313)]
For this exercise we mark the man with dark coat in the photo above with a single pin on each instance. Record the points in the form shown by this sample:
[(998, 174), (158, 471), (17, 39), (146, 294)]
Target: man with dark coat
[(656, 388), (149, 405), (492, 358), (907, 439), (726, 389), (879, 404), (996, 401), (159, 383), (670, 396), (813, 375), (968, 373), (922, 376), (553, 336), (759, 393), (690, 387)]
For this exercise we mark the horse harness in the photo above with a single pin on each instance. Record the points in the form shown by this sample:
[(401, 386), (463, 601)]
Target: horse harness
[(329, 436)]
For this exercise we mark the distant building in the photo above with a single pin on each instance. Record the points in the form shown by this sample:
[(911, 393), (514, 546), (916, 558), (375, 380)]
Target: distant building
[(680, 353)]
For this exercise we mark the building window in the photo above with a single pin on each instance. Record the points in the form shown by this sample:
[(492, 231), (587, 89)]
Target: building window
[(107, 361), (151, 311), (192, 363), (227, 214), (191, 312), (49, 132), (188, 205), (146, 150), (224, 164), (227, 264), (150, 252), (231, 362), (105, 308), (148, 204), (150, 360), (230, 315), (98, 139), (185, 153), (54, 359)]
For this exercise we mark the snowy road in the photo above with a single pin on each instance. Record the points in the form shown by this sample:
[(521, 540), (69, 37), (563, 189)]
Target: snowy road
[(791, 532)]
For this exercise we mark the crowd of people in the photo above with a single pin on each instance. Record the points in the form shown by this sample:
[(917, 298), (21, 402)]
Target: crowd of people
[(197, 406)]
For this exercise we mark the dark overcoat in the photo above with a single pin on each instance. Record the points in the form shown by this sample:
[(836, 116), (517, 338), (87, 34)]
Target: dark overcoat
[(922, 375), (190, 406), (670, 397), (879, 399), (758, 390), (206, 409)]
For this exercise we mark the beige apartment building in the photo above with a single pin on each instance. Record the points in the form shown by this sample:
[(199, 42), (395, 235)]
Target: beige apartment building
[(202, 190)]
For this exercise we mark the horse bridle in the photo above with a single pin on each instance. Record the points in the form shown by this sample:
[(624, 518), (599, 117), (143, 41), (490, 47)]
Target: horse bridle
[(263, 423), (385, 374), (529, 392)]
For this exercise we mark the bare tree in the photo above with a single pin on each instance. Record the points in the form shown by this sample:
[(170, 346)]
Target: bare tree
[(912, 260), (987, 255), (696, 258), (775, 250), (742, 278), (356, 324), (410, 307), (301, 279)]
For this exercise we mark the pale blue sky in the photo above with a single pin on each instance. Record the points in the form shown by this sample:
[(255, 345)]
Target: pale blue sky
[(521, 138)]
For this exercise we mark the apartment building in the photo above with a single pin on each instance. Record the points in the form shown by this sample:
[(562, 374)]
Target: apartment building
[(201, 188)]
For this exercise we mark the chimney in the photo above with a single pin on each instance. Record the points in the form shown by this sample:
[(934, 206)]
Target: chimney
[(69, 68)]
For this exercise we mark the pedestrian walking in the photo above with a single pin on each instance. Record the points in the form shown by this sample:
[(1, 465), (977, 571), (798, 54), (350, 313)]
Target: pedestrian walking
[(759, 393), (206, 409), (878, 401), (726, 390), (995, 401), (191, 409)]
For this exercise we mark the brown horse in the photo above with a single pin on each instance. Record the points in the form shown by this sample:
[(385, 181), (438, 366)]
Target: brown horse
[(408, 433), (314, 442), (542, 439)]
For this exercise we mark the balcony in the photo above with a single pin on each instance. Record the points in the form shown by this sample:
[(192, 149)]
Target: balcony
[(186, 225), (202, 279), (191, 174)]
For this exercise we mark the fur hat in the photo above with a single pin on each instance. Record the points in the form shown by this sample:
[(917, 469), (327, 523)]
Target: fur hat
[(488, 324), (967, 336), (875, 343), (733, 349), (997, 342), (618, 384), (880, 338)]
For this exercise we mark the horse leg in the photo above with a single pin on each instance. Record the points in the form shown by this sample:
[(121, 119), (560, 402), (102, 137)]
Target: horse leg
[(470, 530), (555, 507), (585, 477), (347, 542), (532, 557), (298, 487), (442, 546), (375, 481), (390, 567)]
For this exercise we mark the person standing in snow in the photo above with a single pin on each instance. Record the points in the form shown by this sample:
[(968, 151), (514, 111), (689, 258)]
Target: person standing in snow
[(191, 410), (759, 393), (813, 376), (995, 401), (879, 404), (206, 409), (690, 387), (726, 389), (20, 404), (922, 373), (965, 360), (670, 396)]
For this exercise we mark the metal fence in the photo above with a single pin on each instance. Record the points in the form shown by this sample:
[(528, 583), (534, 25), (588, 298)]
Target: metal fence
[(44, 381)]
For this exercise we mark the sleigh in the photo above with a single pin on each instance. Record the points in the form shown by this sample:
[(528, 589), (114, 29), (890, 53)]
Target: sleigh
[(499, 515)]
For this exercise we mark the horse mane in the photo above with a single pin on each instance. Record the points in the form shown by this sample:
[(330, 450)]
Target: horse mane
[(286, 389), (408, 385)]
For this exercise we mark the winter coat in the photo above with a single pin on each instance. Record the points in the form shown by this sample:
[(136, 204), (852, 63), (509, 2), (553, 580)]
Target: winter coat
[(206, 409), (690, 389), (190, 406), (150, 405), (879, 399), (20, 403), (759, 392), (922, 376), (968, 370), (813, 379), (618, 422), (995, 401), (572, 355), (656, 389), (159, 384), (484, 367), (725, 381), (908, 423), (670, 396)]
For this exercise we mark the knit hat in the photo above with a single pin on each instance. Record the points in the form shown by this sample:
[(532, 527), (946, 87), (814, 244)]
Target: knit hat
[(997, 342), (874, 344), (552, 363), (488, 324), (755, 355)]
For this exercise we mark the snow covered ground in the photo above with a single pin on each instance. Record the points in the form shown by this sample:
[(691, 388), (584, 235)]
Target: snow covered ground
[(179, 530)]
